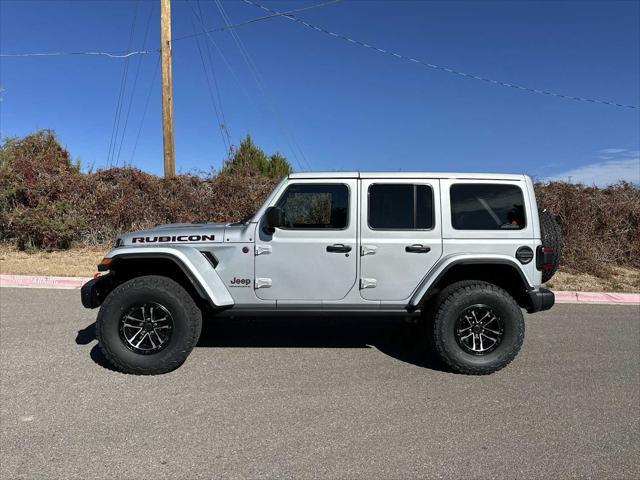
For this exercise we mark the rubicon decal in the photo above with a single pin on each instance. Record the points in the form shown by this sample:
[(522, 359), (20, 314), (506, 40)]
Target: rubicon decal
[(174, 238)]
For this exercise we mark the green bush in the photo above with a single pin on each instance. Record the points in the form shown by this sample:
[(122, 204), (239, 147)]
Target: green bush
[(250, 160)]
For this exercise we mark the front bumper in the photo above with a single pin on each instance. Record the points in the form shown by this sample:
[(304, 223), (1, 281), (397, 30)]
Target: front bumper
[(541, 299), (95, 291)]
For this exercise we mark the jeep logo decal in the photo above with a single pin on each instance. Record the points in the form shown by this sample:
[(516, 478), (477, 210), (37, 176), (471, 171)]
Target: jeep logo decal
[(240, 282), (178, 238)]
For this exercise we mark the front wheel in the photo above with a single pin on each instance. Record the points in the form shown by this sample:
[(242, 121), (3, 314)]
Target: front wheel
[(478, 327), (148, 325)]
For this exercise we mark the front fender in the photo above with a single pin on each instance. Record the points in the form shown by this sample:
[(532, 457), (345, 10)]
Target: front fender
[(197, 268), (448, 262)]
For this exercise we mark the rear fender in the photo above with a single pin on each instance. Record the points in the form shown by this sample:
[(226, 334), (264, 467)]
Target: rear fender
[(431, 280), (191, 261)]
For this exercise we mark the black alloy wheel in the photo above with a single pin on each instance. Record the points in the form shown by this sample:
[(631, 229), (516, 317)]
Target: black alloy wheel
[(479, 329), (146, 328)]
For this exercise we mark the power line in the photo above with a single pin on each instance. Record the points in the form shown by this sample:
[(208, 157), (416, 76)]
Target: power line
[(438, 67), (175, 39), (254, 71), (219, 112), (254, 20), (123, 83), (135, 83), (146, 106), (215, 82), (211, 96), (228, 65), (263, 90), (58, 54)]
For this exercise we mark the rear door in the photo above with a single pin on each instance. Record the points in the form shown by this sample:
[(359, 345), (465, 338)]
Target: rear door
[(401, 235)]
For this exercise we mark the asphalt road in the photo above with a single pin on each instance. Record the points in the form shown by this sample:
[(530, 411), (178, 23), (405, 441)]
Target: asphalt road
[(317, 398)]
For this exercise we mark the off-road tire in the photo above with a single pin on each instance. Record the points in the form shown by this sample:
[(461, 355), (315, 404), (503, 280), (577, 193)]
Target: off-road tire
[(451, 302), (551, 236), (187, 324)]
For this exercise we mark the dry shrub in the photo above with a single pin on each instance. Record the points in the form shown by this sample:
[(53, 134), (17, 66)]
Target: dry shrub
[(600, 226), (46, 202), (123, 199), (35, 177)]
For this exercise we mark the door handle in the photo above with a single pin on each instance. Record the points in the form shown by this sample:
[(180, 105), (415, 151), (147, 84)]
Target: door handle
[(338, 248), (417, 248)]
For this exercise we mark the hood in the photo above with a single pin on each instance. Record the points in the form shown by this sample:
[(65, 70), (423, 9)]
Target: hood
[(176, 233)]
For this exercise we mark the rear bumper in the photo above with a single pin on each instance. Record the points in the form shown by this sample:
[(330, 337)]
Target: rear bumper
[(541, 299)]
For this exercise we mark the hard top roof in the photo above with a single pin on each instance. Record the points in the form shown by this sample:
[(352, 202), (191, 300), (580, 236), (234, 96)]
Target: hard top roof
[(452, 175)]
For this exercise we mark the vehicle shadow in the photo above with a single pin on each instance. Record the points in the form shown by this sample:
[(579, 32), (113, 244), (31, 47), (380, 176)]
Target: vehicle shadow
[(399, 339), (85, 337)]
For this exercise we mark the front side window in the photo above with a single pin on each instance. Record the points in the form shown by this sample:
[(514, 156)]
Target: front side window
[(483, 206), (395, 206), (321, 206)]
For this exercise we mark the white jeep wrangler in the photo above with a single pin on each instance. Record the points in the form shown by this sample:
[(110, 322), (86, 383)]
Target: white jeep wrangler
[(467, 252)]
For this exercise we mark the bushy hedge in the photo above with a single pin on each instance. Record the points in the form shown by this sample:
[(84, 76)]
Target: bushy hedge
[(600, 226), (47, 202)]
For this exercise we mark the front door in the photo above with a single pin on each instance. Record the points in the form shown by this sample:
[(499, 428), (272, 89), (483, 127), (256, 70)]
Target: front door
[(314, 256), (400, 234)]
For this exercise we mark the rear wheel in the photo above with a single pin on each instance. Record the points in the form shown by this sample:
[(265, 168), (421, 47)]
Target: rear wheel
[(148, 325), (478, 327)]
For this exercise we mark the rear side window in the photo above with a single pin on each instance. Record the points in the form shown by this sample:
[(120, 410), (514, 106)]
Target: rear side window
[(400, 207), (308, 206), (476, 206)]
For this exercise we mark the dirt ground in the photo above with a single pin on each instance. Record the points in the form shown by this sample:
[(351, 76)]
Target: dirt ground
[(76, 262), (620, 280), (82, 261)]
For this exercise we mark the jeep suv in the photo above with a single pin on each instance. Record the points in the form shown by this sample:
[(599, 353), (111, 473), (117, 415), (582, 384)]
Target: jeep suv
[(466, 252)]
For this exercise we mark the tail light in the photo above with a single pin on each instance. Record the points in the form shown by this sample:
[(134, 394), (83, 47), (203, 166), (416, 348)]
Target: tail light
[(544, 257)]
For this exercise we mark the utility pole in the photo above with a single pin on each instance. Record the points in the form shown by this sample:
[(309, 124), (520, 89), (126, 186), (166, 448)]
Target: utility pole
[(167, 89)]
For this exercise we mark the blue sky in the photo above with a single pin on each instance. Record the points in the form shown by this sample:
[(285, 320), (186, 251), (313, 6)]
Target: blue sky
[(344, 106)]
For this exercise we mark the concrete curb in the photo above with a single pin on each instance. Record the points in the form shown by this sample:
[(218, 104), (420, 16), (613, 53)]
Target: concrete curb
[(34, 281)]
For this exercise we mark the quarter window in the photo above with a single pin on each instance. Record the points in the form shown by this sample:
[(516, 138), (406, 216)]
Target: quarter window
[(396, 206), (311, 206), (476, 206)]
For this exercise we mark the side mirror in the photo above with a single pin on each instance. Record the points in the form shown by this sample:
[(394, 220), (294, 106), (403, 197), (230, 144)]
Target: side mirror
[(273, 218)]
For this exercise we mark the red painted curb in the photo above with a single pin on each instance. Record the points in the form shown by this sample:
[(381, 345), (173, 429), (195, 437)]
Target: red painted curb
[(34, 281), (609, 297)]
